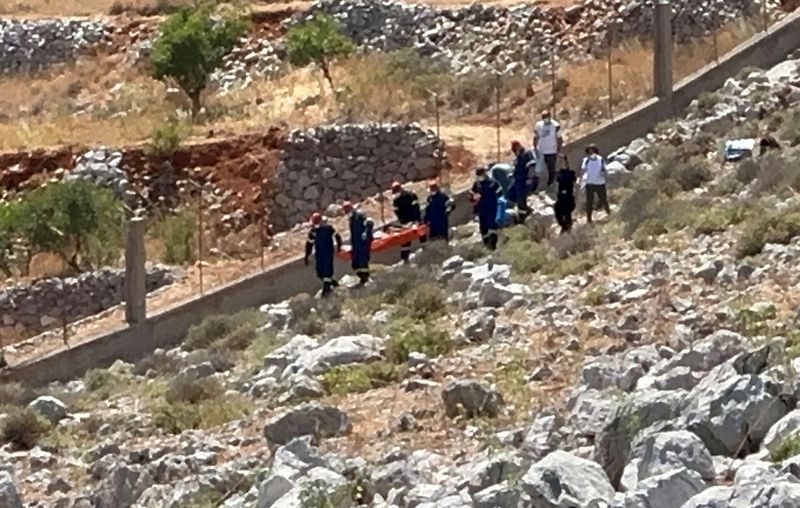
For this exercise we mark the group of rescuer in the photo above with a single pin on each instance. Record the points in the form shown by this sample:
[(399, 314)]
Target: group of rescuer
[(488, 196), (324, 241)]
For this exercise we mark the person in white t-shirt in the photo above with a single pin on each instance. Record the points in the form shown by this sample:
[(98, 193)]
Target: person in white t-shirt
[(593, 171), (547, 140)]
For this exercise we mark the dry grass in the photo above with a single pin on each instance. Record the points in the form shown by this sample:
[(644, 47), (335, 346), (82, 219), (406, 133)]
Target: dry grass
[(51, 109)]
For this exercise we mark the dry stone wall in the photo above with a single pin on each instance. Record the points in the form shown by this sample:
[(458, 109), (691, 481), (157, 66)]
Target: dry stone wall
[(34, 45), (518, 39), (350, 162), (26, 309)]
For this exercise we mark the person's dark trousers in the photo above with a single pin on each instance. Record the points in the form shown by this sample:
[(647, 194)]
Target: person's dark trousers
[(598, 192), (551, 160), (563, 209), (521, 195), (488, 234)]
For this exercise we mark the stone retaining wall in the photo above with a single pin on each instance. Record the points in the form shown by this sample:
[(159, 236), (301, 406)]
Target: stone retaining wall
[(325, 165), (31, 46), (28, 309)]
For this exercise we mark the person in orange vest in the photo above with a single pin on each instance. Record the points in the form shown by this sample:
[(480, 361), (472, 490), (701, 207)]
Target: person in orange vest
[(323, 242)]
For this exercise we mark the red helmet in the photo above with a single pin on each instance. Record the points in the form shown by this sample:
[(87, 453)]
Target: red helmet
[(316, 218), (433, 186), (515, 145), (347, 206), (396, 187)]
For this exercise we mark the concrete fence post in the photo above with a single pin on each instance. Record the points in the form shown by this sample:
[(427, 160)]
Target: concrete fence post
[(135, 288), (662, 59)]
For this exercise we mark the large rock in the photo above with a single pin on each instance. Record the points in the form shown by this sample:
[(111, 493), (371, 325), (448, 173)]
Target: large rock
[(561, 479), (307, 420), (497, 496), (639, 412), (471, 398), (122, 486), (342, 351), (50, 407), (9, 498), (669, 451), (733, 408), (667, 490), (706, 354), (786, 427)]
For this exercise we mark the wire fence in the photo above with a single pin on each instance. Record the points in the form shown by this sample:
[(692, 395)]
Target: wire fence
[(216, 249)]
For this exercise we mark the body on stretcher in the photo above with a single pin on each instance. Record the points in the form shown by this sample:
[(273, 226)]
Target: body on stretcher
[(389, 238)]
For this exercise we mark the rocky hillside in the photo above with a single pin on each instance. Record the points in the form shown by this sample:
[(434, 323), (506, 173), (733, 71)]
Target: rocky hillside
[(648, 361)]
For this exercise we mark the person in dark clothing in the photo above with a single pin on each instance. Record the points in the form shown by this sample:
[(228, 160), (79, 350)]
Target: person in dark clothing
[(437, 213), (767, 143), (323, 241), (524, 164), (486, 192), (407, 210), (565, 199), (361, 234)]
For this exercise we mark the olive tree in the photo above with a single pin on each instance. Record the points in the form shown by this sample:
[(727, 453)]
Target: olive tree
[(191, 44), (319, 40)]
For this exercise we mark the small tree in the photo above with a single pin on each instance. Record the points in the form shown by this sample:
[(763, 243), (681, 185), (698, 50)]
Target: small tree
[(319, 40), (76, 220), (9, 221), (191, 45)]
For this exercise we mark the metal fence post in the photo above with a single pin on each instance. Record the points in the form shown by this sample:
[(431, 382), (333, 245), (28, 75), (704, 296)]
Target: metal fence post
[(200, 238), (553, 78), (610, 74), (497, 113), (662, 60)]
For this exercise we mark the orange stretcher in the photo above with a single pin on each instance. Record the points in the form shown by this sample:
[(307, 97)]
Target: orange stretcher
[(388, 239)]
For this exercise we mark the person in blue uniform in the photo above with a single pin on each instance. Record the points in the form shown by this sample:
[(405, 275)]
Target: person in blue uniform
[(437, 213), (407, 211), (524, 163), (361, 234), (485, 193), (323, 242)]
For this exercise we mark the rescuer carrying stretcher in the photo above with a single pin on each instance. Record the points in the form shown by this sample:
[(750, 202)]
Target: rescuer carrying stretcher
[(437, 213), (361, 236), (323, 242), (408, 213)]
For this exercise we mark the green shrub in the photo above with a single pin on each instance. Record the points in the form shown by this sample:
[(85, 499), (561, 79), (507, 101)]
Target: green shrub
[(778, 228), (178, 233), (15, 394), (178, 417), (319, 40), (76, 220), (580, 240), (595, 296), (348, 326), (100, 380), (191, 44), (707, 100), (423, 302), (22, 428), (523, 254), (223, 331), (167, 138), (310, 315), (789, 447), (573, 265), (193, 391), (361, 378), (407, 336), (718, 219), (693, 173)]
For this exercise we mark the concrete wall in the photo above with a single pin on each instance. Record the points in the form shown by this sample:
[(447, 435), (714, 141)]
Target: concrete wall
[(292, 277)]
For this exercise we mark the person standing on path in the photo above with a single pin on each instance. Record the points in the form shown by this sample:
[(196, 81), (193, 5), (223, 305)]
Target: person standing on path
[(361, 235), (408, 212), (524, 161), (565, 200), (486, 193), (593, 170), (437, 213), (323, 242), (548, 141)]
